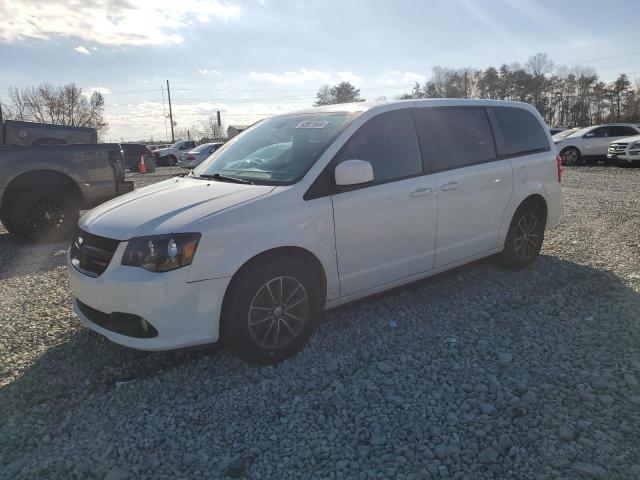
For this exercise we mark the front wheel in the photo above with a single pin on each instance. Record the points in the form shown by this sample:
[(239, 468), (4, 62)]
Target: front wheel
[(45, 215), (525, 236), (570, 156), (272, 310)]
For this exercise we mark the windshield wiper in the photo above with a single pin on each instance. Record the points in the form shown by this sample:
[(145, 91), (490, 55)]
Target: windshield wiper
[(227, 178)]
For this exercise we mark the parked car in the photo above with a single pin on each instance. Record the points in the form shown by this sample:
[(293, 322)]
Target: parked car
[(170, 155), (365, 197), (134, 152), (625, 152), (592, 143), (195, 157)]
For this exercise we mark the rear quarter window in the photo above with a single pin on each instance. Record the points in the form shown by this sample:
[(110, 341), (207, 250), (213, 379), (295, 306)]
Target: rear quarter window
[(521, 131)]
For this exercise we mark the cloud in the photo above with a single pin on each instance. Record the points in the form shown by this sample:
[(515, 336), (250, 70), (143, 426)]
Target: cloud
[(91, 90), (395, 77), (291, 78), (82, 50), (204, 71), (108, 22), (350, 77)]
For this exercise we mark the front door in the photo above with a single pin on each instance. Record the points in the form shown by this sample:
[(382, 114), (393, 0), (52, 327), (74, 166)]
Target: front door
[(385, 231)]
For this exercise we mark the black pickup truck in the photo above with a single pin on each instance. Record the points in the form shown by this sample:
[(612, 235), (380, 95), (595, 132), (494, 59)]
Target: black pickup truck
[(46, 182)]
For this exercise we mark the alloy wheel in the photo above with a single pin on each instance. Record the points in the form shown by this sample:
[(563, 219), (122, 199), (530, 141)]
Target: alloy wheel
[(45, 215), (278, 312), (569, 157), (527, 236)]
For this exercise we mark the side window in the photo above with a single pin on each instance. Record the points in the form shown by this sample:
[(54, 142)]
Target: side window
[(389, 142), (456, 136), (623, 131), (602, 132), (521, 131)]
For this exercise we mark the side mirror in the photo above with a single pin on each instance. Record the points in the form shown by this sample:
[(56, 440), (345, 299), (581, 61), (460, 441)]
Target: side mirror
[(353, 172), (589, 135)]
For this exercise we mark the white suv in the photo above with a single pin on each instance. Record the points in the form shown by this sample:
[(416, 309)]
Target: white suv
[(625, 152), (591, 143), (171, 154), (310, 210)]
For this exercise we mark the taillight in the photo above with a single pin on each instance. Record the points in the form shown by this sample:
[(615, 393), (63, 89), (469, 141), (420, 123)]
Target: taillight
[(190, 157), (560, 167)]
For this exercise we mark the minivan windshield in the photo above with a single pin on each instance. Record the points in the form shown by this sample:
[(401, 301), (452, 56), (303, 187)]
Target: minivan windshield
[(278, 150)]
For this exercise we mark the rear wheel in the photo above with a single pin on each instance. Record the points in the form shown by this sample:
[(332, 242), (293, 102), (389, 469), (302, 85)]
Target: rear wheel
[(44, 215), (525, 236), (271, 310), (570, 156)]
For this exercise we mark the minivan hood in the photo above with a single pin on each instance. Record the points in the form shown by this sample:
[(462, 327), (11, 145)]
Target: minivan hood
[(166, 207)]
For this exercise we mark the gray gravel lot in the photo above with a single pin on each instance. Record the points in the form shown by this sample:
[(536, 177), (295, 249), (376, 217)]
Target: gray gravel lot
[(489, 373)]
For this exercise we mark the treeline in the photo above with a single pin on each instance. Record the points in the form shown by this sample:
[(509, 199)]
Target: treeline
[(564, 96), (58, 105)]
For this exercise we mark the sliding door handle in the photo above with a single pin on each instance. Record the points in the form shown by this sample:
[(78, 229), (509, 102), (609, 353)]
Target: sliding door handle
[(422, 191), (449, 186)]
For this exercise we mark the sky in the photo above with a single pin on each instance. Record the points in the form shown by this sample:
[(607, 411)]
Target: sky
[(253, 58)]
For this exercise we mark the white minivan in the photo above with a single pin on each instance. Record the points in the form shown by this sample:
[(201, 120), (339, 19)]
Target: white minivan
[(309, 210)]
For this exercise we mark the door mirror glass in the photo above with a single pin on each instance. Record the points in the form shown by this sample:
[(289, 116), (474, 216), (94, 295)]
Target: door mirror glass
[(353, 172)]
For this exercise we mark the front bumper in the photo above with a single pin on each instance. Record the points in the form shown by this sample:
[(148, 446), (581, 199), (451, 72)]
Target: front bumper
[(183, 314), (628, 158)]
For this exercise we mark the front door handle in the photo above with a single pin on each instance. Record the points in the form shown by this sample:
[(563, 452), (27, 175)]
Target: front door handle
[(449, 186), (422, 191)]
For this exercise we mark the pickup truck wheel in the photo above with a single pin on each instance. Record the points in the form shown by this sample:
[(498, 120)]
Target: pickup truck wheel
[(44, 215), (4, 219), (271, 310)]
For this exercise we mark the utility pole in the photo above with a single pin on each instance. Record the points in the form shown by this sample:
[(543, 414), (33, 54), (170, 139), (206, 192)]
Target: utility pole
[(164, 114), (173, 139)]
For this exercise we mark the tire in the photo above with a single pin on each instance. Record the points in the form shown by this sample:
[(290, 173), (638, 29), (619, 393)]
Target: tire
[(4, 219), (43, 215), (570, 156), (525, 236), (171, 161), (255, 296)]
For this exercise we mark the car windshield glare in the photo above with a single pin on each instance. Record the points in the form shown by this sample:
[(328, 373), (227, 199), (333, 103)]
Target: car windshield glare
[(279, 150)]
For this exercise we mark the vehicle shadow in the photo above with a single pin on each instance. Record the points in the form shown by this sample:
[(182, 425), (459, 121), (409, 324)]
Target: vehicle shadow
[(85, 363), (18, 257)]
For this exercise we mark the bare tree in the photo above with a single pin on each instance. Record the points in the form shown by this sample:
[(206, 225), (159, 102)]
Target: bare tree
[(66, 105), (211, 131)]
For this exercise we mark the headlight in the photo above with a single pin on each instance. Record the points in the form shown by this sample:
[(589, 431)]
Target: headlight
[(634, 145), (161, 253)]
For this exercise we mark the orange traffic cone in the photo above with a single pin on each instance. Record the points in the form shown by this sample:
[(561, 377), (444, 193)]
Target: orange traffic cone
[(142, 168)]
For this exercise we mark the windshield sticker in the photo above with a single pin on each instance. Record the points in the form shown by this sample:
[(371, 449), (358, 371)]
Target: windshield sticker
[(313, 124)]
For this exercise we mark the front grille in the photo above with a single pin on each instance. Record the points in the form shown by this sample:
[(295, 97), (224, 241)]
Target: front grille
[(91, 254), (617, 147), (118, 322)]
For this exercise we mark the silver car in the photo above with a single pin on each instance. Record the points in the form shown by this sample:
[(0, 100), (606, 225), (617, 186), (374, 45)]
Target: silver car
[(196, 156)]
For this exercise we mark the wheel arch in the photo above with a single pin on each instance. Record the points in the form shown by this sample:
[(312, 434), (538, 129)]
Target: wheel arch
[(40, 178), (536, 195), (301, 254)]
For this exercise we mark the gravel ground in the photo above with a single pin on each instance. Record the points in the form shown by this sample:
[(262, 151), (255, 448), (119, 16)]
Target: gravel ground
[(488, 374)]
